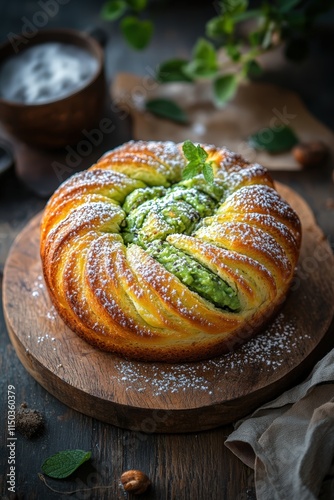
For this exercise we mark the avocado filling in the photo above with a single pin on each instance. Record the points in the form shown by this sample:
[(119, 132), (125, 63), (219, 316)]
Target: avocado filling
[(194, 275), (155, 212)]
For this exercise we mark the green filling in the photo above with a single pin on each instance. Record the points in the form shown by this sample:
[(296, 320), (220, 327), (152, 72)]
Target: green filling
[(216, 190), (194, 275), (139, 196), (155, 212)]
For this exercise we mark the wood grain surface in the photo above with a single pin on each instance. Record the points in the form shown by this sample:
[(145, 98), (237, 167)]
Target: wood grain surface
[(180, 466), (169, 397)]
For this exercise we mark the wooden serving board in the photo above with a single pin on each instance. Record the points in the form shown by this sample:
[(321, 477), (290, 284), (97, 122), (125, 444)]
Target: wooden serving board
[(160, 397)]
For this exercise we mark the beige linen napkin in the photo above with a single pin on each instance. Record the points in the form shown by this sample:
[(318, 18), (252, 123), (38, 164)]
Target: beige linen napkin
[(290, 441)]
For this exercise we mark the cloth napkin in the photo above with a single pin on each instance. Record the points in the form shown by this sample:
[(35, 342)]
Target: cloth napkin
[(289, 442)]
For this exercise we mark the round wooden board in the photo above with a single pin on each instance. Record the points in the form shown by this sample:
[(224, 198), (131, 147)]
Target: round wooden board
[(159, 397)]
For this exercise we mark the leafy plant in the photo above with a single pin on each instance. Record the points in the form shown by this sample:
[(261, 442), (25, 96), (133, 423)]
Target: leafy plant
[(271, 24)]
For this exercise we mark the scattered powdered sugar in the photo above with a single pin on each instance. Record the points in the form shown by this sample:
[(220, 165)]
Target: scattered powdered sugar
[(264, 353), (46, 338), (38, 285), (162, 380), (52, 313)]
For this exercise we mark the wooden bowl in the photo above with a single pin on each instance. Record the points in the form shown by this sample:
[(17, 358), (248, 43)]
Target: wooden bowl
[(60, 122)]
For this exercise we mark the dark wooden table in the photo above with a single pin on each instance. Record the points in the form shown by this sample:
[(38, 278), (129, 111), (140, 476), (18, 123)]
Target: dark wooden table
[(192, 466)]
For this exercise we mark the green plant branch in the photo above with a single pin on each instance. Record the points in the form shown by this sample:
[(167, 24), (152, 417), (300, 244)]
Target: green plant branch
[(275, 23)]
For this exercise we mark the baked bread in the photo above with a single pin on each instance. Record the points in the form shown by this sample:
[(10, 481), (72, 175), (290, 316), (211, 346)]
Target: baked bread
[(143, 264)]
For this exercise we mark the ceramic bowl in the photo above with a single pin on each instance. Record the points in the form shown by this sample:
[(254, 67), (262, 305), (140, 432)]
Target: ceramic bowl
[(57, 123)]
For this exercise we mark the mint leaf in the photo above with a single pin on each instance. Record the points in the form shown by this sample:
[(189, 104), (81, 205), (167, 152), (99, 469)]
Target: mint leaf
[(136, 32), (193, 168), (197, 164), (165, 108), (113, 10), (208, 173), (233, 52), (219, 26), (233, 6), (253, 68), (173, 71), (224, 88), (248, 14), (214, 28), (189, 150), (274, 140), (201, 154), (64, 463), (255, 38), (204, 60), (205, 51)]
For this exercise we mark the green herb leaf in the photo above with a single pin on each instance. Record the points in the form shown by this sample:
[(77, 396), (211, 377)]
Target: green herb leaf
[(214, 28), (64, 463), (136, 32), (233, 51), (233, 6), (274, 140), (255, 38), (190, 150), (253, 68), (137, 5), (249, 14), (219, 26), (208, 173), (197, 162), (201, 153), (191, 169), (113, 10), (204, 62), (166, 108), (173, 71), (224, 88)]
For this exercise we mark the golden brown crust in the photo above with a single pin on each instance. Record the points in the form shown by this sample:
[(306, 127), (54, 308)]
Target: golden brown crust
[(120, 299)]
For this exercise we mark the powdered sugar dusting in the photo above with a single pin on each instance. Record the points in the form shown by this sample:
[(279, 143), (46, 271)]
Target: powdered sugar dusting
[(38, 286)]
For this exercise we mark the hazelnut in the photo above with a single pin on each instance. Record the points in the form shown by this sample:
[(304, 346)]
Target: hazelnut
[(310, 154), (135, 481)]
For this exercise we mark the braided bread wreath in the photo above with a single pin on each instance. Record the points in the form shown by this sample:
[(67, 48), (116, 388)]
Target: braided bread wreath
[(143, 264)]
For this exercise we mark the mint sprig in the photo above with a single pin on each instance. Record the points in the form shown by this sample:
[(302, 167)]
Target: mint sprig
[(64, 463), (197, 157)]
